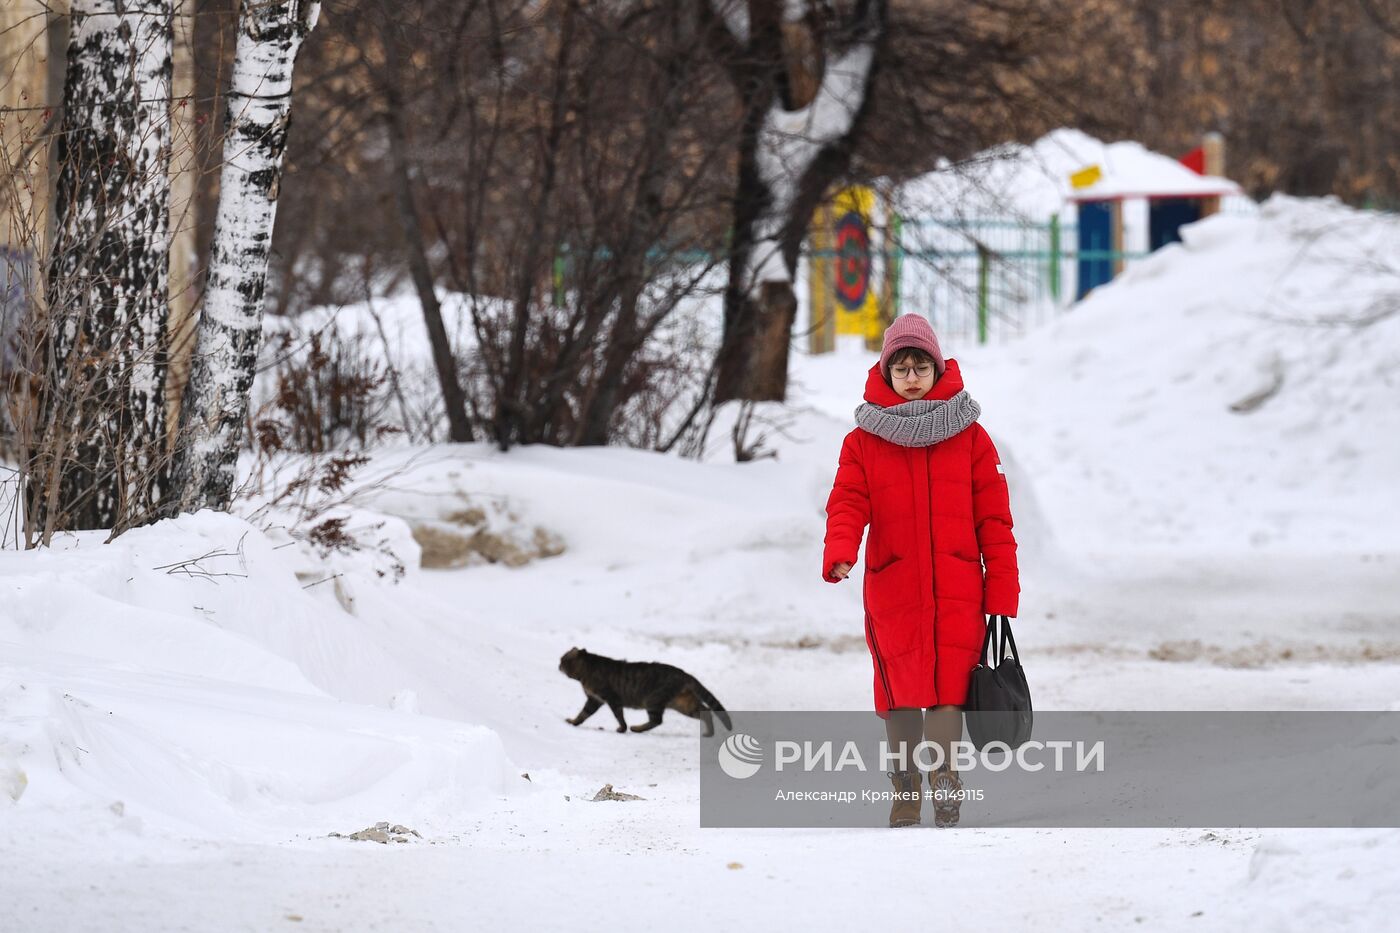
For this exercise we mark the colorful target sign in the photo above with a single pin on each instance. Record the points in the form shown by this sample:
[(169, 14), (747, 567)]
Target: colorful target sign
[(844, 293), (847, 276), (852, 245)]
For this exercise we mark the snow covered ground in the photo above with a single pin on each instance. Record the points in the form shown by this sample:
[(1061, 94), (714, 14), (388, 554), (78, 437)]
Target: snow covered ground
[(187, 714)]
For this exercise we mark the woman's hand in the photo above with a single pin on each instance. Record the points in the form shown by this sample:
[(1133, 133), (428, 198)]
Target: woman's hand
[(839, 571)]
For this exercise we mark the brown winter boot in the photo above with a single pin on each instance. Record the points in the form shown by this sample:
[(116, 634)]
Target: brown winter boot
[(945, 787), (908, 787)]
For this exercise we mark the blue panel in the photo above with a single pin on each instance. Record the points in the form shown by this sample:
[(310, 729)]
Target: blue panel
[(1166, 217), (1095, 246)]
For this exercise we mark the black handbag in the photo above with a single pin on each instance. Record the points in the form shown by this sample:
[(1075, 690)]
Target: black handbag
[(998, 707)]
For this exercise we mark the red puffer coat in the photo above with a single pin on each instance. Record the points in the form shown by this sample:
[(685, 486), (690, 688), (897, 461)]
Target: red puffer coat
[(938, 515)]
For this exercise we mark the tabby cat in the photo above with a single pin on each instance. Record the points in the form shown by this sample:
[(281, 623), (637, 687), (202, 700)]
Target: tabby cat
[(648, 685)]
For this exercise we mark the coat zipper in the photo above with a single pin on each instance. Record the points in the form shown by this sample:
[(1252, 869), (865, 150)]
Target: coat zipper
[(933, 623), (879, 663)]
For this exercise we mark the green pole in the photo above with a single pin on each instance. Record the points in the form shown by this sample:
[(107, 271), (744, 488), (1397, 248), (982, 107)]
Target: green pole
[(983, 265), (898, 225), (559, 279), (1055, 257)]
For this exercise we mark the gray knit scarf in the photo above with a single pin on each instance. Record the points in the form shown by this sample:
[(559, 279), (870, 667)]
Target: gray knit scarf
[(920, 423)]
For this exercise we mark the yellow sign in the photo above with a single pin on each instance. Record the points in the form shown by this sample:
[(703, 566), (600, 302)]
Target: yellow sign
[(1085, 177), (850, 272)]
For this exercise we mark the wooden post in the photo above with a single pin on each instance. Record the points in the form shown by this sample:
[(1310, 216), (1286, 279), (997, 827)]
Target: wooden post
[(1214, 146), (29, 82), (27, 89), (821, 301), (183, 172)]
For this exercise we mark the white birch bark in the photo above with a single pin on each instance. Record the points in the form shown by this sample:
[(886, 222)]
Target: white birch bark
[(104, 371), (782, 168), (270, 34), (789, 143)]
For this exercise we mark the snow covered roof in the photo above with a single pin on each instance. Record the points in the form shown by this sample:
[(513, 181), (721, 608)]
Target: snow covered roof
[(1131, 170), (1034, 181)]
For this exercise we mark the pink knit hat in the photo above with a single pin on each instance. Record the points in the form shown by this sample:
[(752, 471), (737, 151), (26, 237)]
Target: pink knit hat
[(911, 330)]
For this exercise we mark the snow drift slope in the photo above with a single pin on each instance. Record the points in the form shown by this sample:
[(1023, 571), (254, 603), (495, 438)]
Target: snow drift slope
[(131, 696), (1238, 392)]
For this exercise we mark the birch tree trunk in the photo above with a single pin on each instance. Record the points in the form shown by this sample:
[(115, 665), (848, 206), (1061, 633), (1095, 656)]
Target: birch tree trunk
[(229, 332), (97, 458)]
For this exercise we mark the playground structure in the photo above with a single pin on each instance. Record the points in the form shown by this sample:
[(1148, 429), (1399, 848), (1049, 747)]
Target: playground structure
[(1172, 200), (995, 274)]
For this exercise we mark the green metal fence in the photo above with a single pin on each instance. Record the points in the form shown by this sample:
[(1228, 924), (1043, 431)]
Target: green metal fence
[(976, 278), (990, 278)]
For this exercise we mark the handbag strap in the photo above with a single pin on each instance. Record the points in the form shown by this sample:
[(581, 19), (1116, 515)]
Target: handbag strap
[(1005, 639), (1008, 639), (987, 640)]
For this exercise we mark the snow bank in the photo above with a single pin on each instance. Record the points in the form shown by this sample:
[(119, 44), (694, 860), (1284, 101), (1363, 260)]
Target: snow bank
[(168, 681), (1235, 393)]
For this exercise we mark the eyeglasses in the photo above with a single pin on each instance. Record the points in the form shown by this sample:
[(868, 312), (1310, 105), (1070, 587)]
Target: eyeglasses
[(923, 371)]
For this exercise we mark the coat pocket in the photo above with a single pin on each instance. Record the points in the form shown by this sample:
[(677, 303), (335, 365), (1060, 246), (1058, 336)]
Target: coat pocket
[(873, 568), (959, 590), (893, 601), (963, 577)]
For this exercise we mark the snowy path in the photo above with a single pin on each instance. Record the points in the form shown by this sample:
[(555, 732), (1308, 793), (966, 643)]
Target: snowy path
[(540, 861)]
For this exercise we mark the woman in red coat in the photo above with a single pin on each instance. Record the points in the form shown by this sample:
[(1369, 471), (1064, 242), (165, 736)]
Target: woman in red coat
[(924, 476)]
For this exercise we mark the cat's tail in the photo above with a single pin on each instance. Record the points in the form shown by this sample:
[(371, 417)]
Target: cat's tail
[(711, 703)]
